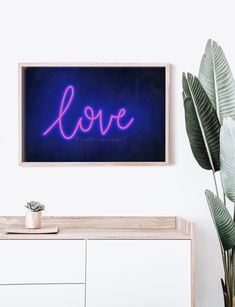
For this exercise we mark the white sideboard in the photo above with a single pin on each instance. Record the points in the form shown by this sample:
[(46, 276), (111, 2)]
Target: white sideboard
[(99, 262)]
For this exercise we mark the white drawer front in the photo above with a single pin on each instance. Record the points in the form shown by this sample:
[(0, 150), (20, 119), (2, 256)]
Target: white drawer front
[(42, 296), (42, 261), (139, 273)]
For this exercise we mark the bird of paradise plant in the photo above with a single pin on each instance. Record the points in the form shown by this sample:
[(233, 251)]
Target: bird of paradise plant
[(209, 103)]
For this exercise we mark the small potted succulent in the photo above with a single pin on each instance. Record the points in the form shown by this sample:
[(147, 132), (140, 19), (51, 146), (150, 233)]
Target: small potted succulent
[(33, 217)]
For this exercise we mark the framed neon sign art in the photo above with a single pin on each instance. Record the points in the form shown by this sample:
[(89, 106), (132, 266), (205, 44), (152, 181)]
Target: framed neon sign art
[(88, 113)]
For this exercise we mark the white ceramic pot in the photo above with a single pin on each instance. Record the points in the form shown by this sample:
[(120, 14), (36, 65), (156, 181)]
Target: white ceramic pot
[(33, 219)]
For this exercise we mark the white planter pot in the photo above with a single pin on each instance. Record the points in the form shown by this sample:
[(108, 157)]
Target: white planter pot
[(33, 219)]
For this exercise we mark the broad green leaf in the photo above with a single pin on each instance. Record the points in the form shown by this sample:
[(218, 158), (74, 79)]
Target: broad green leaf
[(222, 220), (202, 124), (216, 78), (227, 157)]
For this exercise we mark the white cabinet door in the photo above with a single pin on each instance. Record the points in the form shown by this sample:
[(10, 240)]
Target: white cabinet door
[(42, 296), (42, 261), (139, 273)]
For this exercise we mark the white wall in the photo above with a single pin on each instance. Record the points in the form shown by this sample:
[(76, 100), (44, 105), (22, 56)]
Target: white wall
[(115, 31)]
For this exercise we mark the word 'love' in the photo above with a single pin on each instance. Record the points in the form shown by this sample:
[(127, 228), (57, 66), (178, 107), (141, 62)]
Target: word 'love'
[(89, 115)]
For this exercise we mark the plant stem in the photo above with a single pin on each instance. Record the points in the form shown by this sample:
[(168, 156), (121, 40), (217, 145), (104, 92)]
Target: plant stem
[(224, 256), (216, 187), (225, 199), (233, 260), (226, 276)]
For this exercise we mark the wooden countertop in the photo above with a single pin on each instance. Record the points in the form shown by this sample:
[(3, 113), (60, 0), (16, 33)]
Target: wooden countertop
[(104, 228)]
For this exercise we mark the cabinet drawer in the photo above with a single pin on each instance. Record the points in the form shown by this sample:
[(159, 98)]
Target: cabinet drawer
[(42, 261), (139, 273), (42, 296)]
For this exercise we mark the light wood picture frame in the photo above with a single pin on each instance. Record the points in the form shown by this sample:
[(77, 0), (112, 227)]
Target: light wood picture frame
[(32, 85)]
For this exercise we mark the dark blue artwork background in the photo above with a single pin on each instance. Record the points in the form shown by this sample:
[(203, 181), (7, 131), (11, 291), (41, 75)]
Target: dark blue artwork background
[(141, 90)]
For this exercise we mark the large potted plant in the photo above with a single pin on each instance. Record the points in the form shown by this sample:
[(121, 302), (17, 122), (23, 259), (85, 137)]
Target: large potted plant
[(209, 103)]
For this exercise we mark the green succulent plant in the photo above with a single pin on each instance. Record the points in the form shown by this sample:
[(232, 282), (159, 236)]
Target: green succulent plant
[(34, 206), (209, 103)]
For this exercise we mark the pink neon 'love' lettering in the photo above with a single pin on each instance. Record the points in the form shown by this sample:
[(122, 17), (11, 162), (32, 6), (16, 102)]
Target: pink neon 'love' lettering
[(89, 115)]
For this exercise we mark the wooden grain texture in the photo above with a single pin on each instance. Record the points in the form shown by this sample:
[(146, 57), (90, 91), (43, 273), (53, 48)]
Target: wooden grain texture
[(101, 228)]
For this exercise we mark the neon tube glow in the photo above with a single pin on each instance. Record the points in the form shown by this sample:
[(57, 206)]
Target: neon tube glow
[(90, 116)]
